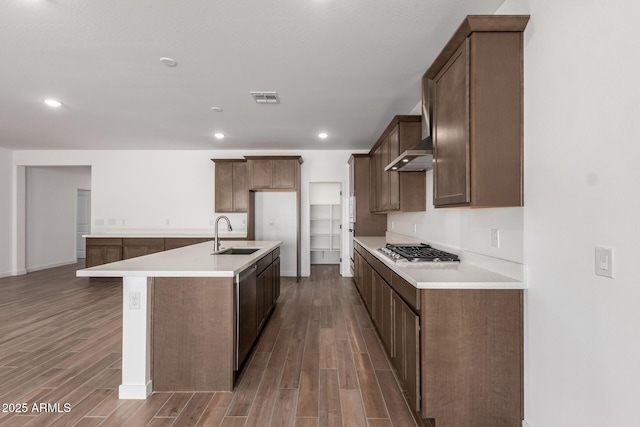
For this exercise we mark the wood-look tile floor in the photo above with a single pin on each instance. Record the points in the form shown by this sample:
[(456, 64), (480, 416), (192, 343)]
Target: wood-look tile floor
[(318, 362)]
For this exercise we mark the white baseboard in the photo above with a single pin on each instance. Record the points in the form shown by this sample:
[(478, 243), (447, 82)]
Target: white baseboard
[(130, 391), (11, 273), (45, 267)]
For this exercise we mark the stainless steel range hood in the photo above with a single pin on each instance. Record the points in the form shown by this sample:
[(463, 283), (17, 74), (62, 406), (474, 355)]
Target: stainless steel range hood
[(418, 159)]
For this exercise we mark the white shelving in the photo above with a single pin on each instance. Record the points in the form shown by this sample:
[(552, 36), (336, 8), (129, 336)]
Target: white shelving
[(324, 233)]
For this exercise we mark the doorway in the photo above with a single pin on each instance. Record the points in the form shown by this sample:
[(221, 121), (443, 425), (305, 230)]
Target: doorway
[(325, 222)]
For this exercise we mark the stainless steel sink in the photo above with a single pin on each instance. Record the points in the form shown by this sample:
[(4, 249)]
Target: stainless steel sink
[(237, 251)]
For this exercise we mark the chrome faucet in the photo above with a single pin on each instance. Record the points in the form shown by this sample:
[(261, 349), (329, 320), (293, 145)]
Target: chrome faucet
[(216, 240)]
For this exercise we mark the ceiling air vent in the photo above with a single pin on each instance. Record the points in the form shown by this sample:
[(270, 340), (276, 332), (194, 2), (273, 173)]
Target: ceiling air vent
[(265, 97)]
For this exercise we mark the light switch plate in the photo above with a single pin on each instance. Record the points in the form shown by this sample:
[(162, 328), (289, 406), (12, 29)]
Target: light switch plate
[(604, 261)]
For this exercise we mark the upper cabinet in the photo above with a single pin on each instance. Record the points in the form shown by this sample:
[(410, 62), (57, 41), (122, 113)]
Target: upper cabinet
[(364, 222), (391, 191), (231, 185), (475, 93), (274, 173)]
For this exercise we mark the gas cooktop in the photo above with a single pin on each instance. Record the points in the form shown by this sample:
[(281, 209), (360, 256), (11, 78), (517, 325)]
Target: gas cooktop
[(416, 253)]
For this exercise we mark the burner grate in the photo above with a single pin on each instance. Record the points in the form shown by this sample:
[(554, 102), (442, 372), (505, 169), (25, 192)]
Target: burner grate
[(422, 252)]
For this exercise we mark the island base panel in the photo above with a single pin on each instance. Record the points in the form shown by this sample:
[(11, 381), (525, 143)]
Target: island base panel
[(193, 324)]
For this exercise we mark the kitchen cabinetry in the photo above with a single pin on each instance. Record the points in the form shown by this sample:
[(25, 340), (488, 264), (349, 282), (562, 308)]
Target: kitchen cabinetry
[(457, 353), (391, 191), (267, 286), (273, 172), (364, 222), (103, 251), (136, 247), (231, 185), (247, 303), (405, 354), (179, 242), (476, 96)]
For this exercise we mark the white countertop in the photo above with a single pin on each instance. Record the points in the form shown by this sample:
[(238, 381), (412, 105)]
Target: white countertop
[(442, 275), (189, 261)]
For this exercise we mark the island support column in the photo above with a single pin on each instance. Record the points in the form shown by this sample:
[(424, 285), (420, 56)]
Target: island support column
[(136, 338)]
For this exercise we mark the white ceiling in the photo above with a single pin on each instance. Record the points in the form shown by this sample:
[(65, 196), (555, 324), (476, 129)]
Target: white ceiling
[(345, 67)]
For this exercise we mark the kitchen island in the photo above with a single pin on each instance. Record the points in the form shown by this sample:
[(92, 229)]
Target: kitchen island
[(180, 317)]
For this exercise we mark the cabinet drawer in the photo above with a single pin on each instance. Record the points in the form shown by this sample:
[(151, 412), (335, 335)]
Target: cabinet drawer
[(104, 242), (409, 293), (264, 262), (276, 253), (382, 269)]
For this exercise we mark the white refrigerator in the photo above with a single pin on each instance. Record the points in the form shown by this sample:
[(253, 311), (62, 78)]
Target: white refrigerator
[(276, 219)]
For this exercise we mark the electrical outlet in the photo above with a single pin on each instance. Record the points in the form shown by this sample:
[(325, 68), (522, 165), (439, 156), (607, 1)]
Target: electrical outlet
[(168, 221), (244, 222), (604, 262), (495, 238), (415, 228), (393, 225), (134, 300), (112, 221)]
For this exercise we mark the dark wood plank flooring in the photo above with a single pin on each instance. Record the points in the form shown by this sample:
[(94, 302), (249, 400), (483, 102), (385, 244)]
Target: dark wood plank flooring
[(318, 362)]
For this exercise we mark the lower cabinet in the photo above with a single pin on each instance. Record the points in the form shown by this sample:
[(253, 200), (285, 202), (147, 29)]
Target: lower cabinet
[(405, 353), (103, 251), (382, 309), (267, 286), (136, 247), (396, 322), (456, 352)]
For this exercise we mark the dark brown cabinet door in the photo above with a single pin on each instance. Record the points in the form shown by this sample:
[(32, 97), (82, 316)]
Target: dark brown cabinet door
[(276, 280), (261, 173), (224, 186), (394, 179), (412, 355), (406, 348), (240, 187), (136, 247), (451, 130), (231, 185), (382, 309), (284, 174), (383, 160), (102, 251), (261, 282)]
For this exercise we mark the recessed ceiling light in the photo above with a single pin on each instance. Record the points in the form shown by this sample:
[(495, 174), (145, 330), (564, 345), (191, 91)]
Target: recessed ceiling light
[(169, 62), (219, 135), (394, 168), (323, 135), (405, 160), (53, 103), (216, 109)]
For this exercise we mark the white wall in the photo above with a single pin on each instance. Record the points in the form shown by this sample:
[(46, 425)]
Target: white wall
[(51, 200), (581, 174), (144, 189), (5, 211)]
